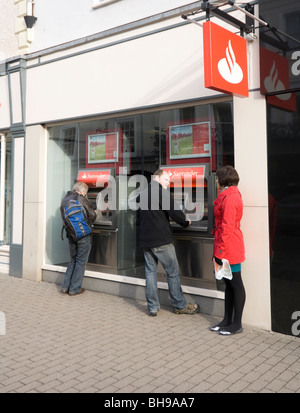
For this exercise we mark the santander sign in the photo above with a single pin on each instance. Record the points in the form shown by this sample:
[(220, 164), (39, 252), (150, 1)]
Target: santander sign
[(228, 67), (275, 77), (225, 60)]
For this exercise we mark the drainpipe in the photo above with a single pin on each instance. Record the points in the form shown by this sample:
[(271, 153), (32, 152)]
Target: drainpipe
[(2, 188)]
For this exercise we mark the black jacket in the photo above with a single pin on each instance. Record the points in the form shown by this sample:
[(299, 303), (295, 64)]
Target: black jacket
[(154, 216)]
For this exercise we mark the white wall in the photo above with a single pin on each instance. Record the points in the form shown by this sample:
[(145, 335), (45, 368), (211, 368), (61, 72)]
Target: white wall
[(159, 68), (62, 21), (34, 203), (8, 38), (250, 145), (251, 164)]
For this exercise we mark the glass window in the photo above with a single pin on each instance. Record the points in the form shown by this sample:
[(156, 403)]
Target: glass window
[(281, 37), (7, 219), (130, 147), (7, 191), (293, 27), (69, 140), (284, 214)]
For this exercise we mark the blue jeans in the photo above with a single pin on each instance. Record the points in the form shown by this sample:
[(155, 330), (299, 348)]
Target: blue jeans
[(79, 252), (166, 255)]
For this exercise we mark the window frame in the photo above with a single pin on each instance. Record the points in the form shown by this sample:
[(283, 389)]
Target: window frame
[(62, 139)]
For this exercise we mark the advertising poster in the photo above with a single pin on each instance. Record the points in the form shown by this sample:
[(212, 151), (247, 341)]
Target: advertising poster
[(189, 140), (102, 147)]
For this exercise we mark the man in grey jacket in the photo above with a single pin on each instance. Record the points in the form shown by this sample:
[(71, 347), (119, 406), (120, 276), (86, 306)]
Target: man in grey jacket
[(157, 241)]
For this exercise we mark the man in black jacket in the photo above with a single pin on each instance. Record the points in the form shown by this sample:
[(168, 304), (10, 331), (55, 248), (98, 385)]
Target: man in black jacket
[(80, 249), (156, 207)]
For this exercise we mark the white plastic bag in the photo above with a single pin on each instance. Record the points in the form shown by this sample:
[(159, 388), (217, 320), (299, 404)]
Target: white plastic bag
[(222, 271)]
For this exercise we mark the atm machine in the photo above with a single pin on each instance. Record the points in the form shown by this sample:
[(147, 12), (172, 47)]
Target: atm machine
[(194, 189), (104, 246), (114, 231)]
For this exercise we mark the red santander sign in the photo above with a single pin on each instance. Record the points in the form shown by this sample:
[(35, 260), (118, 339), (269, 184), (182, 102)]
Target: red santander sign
[(225, 60), (275, 77), (94, 178), (187, 176)]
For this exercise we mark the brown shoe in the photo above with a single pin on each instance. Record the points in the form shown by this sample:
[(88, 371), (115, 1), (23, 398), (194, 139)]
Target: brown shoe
[(189, 309), (80, 292)]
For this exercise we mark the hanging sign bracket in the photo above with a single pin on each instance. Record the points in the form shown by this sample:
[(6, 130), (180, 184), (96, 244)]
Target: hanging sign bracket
[(211, 7)]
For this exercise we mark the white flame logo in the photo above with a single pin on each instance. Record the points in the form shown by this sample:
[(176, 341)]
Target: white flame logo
[(273, 84), (228, 68)]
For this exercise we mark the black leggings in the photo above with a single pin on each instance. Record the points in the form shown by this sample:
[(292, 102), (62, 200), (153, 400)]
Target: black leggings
[(235, 297)]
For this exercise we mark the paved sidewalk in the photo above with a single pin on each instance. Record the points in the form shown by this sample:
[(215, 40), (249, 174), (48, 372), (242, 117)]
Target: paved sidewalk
[(99, 343)]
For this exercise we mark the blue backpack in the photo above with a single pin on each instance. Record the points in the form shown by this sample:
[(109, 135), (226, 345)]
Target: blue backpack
[(75, 223)]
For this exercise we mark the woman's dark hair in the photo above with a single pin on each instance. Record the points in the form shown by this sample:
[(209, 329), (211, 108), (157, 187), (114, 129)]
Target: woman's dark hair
[(227, 176)]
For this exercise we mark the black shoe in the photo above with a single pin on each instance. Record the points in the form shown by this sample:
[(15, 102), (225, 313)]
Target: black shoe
[(64, 291), (80, 292), (215, 328), (218, 327), (152, 313), (227, 331)]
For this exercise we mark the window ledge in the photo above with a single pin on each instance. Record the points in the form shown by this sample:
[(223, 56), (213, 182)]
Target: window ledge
[(139, 281)]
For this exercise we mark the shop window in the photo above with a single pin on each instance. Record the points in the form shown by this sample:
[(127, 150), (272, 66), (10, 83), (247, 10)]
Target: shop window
[(6, 224), (293, 26), (129, 148), (284, 214)]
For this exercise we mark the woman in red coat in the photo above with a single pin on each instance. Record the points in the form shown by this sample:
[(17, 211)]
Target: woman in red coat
[(229, 244)]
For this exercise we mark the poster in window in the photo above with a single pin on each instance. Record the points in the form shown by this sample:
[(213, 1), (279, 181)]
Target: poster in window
[(103, 148), (189, 140)]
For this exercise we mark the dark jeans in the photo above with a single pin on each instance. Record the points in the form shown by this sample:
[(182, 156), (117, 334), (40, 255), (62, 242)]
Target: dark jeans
[(79, 252)]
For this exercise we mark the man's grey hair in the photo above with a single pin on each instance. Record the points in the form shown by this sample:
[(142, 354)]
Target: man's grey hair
[(80, 186)]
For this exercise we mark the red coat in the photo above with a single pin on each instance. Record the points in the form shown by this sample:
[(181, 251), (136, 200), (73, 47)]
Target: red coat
[(228, 212)]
